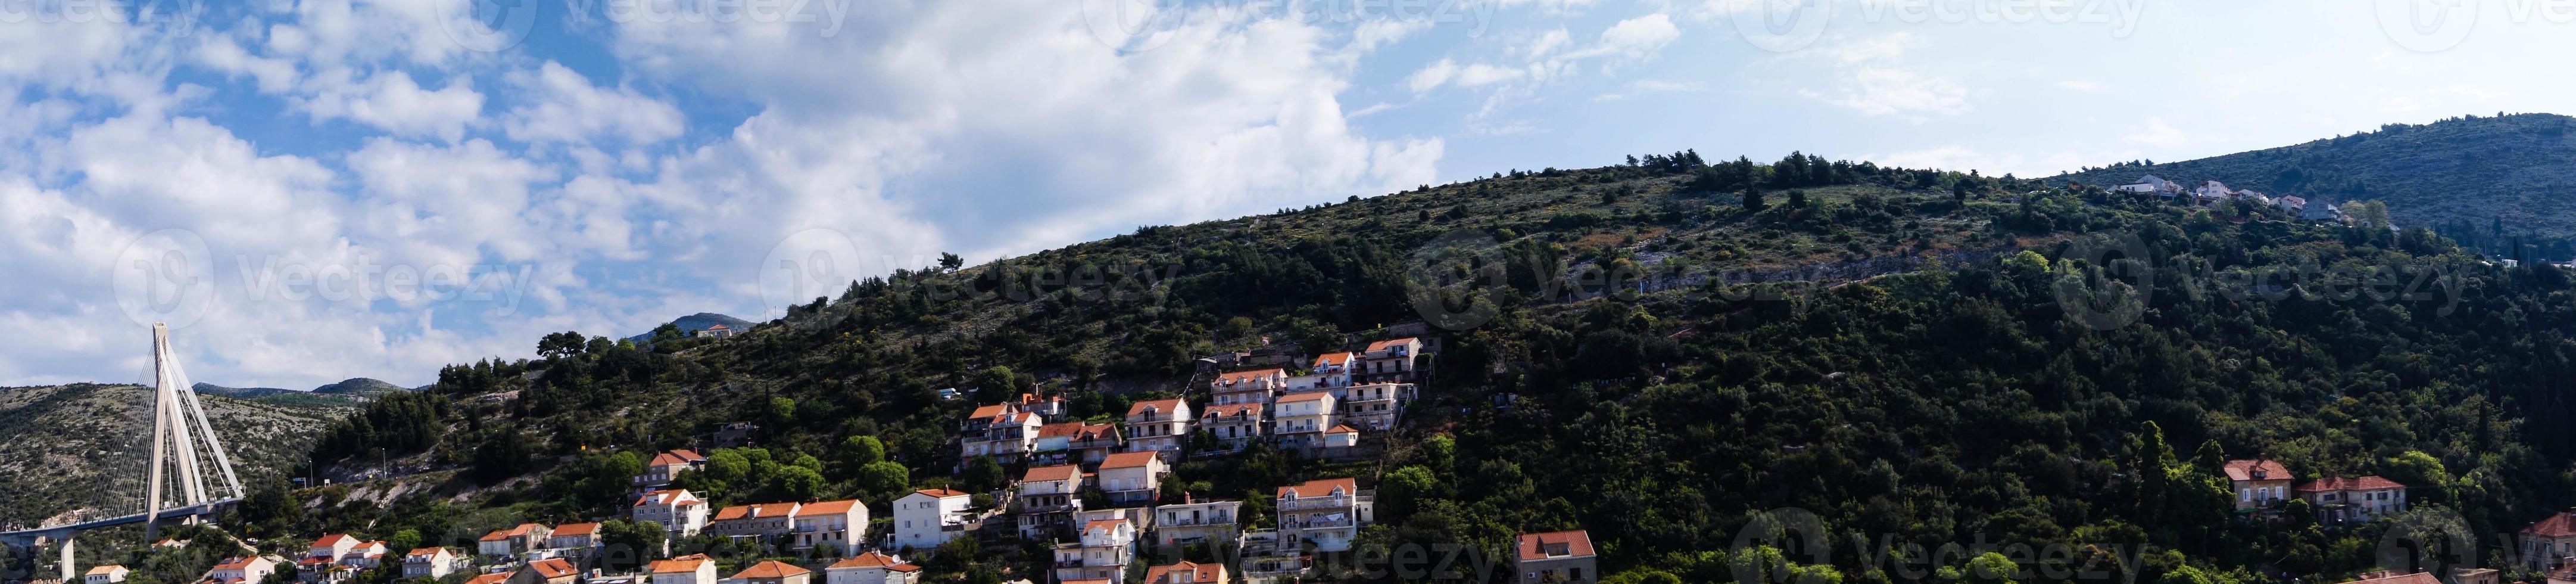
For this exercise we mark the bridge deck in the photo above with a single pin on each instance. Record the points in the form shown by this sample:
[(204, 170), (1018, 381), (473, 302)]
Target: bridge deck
[(26, 537)]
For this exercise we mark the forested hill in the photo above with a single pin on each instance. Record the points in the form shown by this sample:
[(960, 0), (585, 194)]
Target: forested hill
[(2466, 177), (1904, 365)]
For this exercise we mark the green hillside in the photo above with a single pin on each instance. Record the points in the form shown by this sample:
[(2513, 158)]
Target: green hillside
[(72, 447)]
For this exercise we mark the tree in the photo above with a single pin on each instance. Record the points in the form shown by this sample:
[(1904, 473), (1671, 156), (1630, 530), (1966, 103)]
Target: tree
[(884, 477), (1797, 198), (2151, 456), (982, 474), (1401, 492), (1753, 200), (563, 344), (782, 410), (998, 384), (950, 261), (628, 545), (860, 451), (798, 483), (500, 455)]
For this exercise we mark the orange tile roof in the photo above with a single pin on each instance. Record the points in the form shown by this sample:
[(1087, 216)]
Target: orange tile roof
[(332, 540), (676, 457), (1051, 473), (573, 529), (103, 570), (1322, 487), (687, 563), (1577, 543), (1187, 572), (1341, 358), (987, 411), (904, 567), (2244, 470), (665, 496), (1342, 429), (1382, 345), (2557, 525), (2414, 578), (1103, 525), (942, 493), (1243, 376), (1159, 405), (1130, 459), (1232, 410), (872, 559), (1060, 429), (552, 568), (827, 507), (2368, 483), (427, 552), (1097, 431), (492, 578), (770, 569), (495, 535), (1306, 396), (755, 511)]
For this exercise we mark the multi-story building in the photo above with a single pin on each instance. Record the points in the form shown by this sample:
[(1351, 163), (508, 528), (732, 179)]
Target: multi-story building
[(242, 570), (1389, 361), (1046, 501), (1002, 431), (2260, 485), (772, 572), (1161, 425), (831, 525), (1187, 573), (927, 518), (872, 568), (688, 569), (2549, 543), (677, 510), (1236, 425), (665, 467), (1330, 370), (1055, 443), (1564, 556), (1203, 522), (1373, 407), (1298, 420), (574, 536), (1133, 478), (1327, 513), (546, 571), (1101, 553), (508, 542), (764, 520), (1097, 441), (2341, 499), (108, 574), (430, 562), (1255, 386)]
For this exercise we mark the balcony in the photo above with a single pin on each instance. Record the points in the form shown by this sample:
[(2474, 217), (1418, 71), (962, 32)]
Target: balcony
[(1320, 524), (1197, 522), (1305, 503)]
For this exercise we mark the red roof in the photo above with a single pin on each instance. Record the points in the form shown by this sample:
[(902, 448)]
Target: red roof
[(2368, 483), (771, 569), (872, 559), (942, 493), (573, 529), (1243, 376), (2414, 578), (664, 497), (1185, 573), (2245, 470), (1382, 345), (687, 563), (1051, 473), (1103, 525), (2559, 525), (1232, 410), (1130, 459), (425, 553), (1569, 544), (988, 411), (1159, 405), (333, 540), (1097, 431), (676, 457), (1342, 429), (755, 511), (840, 507), (552, 568), (1324, 487), (1305, 396), (492, 578), (1060, 429), (1341, 358)]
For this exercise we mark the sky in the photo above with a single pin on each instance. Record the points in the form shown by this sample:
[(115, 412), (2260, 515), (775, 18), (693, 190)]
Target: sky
[(311, 191)]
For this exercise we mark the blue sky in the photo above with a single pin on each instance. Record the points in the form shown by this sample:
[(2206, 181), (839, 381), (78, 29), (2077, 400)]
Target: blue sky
[(309, 191)]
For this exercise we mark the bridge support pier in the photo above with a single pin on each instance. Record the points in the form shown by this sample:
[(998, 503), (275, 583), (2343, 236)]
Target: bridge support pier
[(66, 565)]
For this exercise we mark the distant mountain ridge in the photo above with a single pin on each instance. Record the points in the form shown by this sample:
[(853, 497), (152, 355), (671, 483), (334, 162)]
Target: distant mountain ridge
[(354, 386), (691, 324)]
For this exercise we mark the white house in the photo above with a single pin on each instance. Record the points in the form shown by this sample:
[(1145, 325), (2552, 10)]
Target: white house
[(108, 574), (1102, 553), (2320, 210), (832, 525), (1328, 513), (1389, 361), (659, 472), (714, 332), (1047, 499), (1002, 431), (1196, 522), (688, 569), (758, 520), (1248, 387), (1329, 370), (2355, 499), (243, 570), (872, 568), (2153, 184), (1133, 478), (432, 563), (1234, 424), (678, 511), (1158, 425), (927, 518), (507, 542), (1300, 419), (574, 536)]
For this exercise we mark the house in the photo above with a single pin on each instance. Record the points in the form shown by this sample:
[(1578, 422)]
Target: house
[(1158, 425), (1327, 513), (1563, 556), (507, 542), (1097, 441), (1049, 408), (2211, 192), (872, 568), (2152, 184), (241, 570), (1187, 573), (317, 570), (1298, 420), (1101, 553), (1133, 478), (927, 518), (1047, 500), (688, 569), (1141, 518), (2260, 485), (331, 547), (108, 574), (1329, 370), (574, 536), (1203, 522), (666, 466), (1055, 443), (1391, 360), (1341, 436), (1002, 431), (772, 572), (432, 563), (714, 332), (2320, 210), (491, 578), (366, 556), (2291, 203), (831, 525), (2392, 577), (1248, 387), (678, 511), (1375, 406), (547, 571), (764, 520), (1236, 425), (2548, 543), (2341, 499)]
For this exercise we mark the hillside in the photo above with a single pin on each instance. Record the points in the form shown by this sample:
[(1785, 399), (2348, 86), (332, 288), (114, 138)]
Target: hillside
[(2463, 176), (691, 324), (67, 447)]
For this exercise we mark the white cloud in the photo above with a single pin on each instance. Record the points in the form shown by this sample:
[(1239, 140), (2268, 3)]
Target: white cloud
[(1887, 47), (1882, 91), (1432, 76), (2155, 132), (2083, 86), (564, 107), (393, 102), (1640, 37)]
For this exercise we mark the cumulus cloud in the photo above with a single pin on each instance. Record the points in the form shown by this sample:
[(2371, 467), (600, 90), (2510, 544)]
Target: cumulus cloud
[(391, 101), (565, 107)]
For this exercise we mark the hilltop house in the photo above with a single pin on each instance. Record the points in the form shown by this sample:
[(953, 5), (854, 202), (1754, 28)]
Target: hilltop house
[(432, 563), (927, 518), (1187, 573), (688, 569), (1002, 431), (666, 466), (2153, 184), (1236, 425), (546, 571), (1158, 425), (242, 570), (1248, 387), (772, 572), (1133, 478), (108, 574), (2338, 500), (1391, 360), (872, 568), (764, 520), (2291, 203), (1101, 553), (714, 332), (509, 542), (1327, 513), (1196, 523), (678, 511), (1047, 500), (574, 536), (2549, 543), (832, 525), (2320, 210), (2260, 485), (1301, 418), (1564, 556)]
